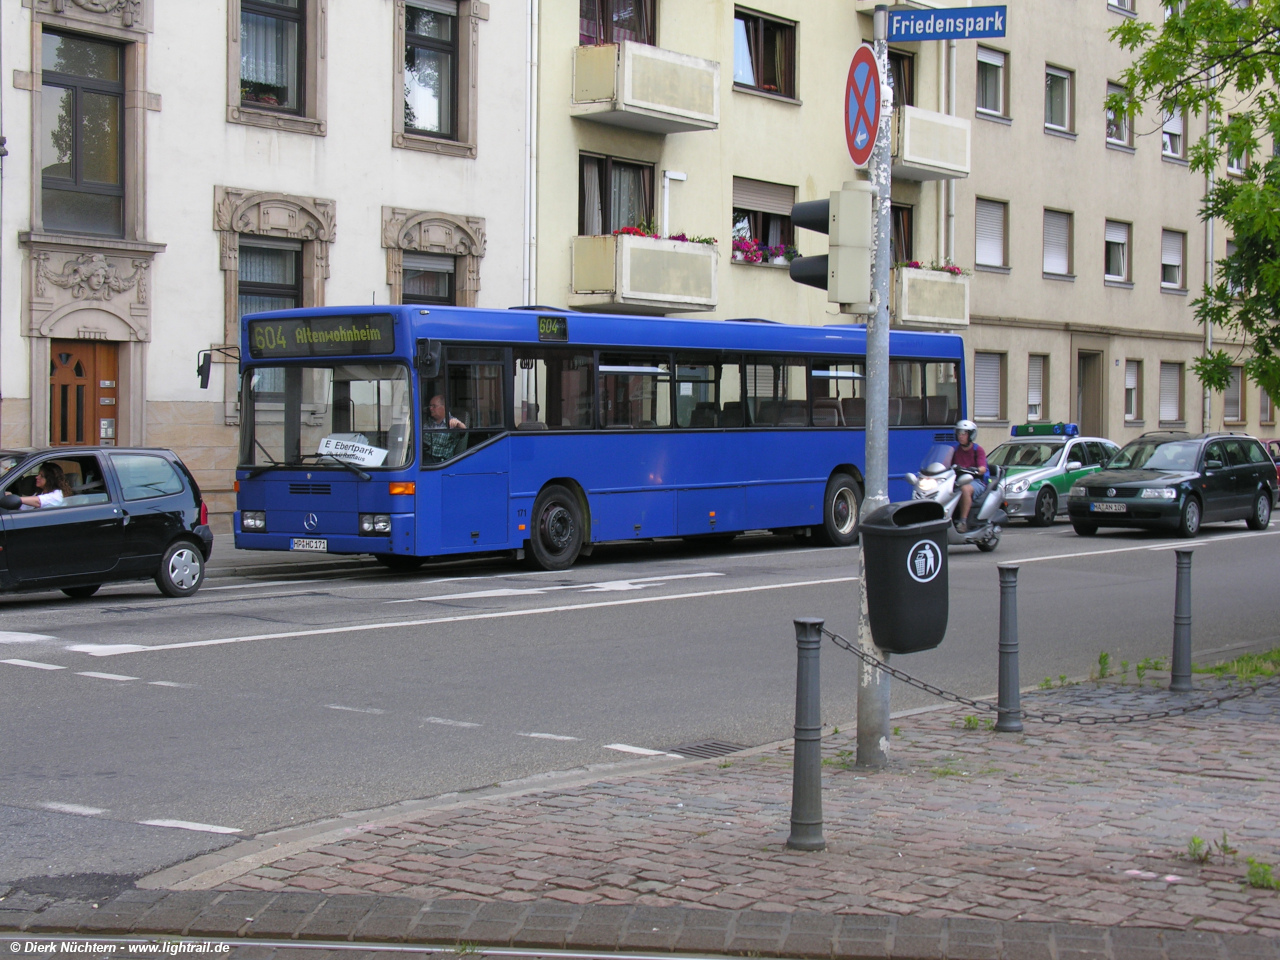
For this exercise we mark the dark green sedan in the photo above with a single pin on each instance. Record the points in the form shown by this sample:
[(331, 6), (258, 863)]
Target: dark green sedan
[(1177, 481)]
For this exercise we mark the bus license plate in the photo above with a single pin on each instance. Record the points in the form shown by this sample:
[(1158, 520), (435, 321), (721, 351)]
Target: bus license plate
[(1108, 507), (315, 546)]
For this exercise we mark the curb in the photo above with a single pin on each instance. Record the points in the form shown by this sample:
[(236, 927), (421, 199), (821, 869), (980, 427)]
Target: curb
[(443, 924)]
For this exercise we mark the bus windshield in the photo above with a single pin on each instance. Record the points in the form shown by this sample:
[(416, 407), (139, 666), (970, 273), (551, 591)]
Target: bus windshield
[(360, 413)]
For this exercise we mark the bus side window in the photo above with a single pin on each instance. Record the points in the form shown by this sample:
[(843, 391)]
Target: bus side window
[(472, 392), (777, 393), (697, 400), (733, 412), (835, 385), (635, 391), (553, 390), (942, 392)]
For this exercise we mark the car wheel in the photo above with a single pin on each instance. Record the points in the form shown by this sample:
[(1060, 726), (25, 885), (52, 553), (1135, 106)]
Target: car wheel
[(181, 570), (82, 593), (1260, 519), (1046, 508), (1189, 520), (1084, 529), (841, 511), (556, 534), (399, 562)]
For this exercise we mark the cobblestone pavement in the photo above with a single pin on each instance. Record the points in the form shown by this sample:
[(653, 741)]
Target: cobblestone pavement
[(1064, 823)]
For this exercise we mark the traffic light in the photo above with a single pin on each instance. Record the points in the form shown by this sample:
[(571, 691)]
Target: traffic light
[(845, 272)]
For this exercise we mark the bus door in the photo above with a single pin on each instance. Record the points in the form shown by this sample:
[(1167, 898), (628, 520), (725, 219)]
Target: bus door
[(711, 468)]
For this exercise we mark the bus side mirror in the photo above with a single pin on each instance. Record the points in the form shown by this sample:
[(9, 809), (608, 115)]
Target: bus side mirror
[(428, 359), (204, 367)]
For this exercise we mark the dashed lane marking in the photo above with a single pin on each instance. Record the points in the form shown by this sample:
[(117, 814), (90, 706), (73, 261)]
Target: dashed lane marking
[(103, 676), (449, 723), (10, 636), (34, 663), (639, 751), (1151, 548), (189, 825), (546, 736), (335, 706), (601, 586), (74, 808), (170, 683)]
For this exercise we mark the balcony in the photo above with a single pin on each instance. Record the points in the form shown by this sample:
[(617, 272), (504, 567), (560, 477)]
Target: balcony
[(629, 274), (645, 88), (928, 300), (929, 146)]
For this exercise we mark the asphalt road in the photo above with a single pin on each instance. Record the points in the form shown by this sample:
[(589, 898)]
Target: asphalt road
[(140, 731)]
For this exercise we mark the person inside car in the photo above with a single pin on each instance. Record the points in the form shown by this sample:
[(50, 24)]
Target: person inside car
[(51, 488), (972, 458)]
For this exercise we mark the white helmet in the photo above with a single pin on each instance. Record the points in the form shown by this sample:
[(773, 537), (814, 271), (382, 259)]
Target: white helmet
[(969, 427)]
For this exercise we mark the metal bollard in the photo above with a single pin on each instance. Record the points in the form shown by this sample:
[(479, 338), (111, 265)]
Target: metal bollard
[(806, 783), (1180, 678), (1009, 701)]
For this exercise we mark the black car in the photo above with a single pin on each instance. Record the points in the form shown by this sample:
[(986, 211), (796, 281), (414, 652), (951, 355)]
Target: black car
[(125, 514), (1178, 481)]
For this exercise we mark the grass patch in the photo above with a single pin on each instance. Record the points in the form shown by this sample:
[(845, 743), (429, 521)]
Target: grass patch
[(1248, 667)]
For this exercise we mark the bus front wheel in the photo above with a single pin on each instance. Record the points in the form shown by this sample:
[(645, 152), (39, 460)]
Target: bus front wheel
[(556, 535), (840, 511)]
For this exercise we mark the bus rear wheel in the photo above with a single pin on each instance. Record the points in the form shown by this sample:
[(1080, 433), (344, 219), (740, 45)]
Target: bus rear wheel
[(555, 538), (841, 509)]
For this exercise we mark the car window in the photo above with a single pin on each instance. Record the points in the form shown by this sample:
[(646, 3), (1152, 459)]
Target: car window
[(1080, 452), (1253, 450), (1157, 455), (1096, 452), (1215, 451), (143, 476), (83, 476), (1024, 454), (1237, 455)]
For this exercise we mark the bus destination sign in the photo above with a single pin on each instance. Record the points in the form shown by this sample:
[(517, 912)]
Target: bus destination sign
[(553, 328), (322, 336)]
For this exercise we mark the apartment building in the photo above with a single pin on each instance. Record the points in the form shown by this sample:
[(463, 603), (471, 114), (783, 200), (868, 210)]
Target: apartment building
[(172, 166)]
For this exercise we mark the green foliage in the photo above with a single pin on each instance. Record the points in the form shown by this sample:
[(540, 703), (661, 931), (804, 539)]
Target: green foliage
[(1046, 683), (1260, 875), (1198, 850), (1221, 60), (971, 722), (1248, 667), (1104, 665)]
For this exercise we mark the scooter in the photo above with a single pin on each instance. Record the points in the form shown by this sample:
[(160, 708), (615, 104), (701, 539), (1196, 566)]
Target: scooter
[(942, 483)]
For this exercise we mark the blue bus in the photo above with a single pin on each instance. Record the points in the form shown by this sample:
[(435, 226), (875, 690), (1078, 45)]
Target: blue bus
[(409, 432)]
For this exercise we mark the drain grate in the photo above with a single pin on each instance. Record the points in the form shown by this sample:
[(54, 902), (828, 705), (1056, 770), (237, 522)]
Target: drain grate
[(706, 749)]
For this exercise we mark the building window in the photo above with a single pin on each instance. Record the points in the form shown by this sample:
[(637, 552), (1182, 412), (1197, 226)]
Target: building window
[(1233, 397), (428, 278), (1118, 129), (82, 135), (1117, 251), (1133, 390), (1233, 288), (1057, 243), (613, 194), (988, 386), (991, 82), (1237, 163), (1127, 5), (902, 70), (1057, 99), (1173, 143), (1266, 408), (1172, 247), (431, 67), (1171, 393), (762, 212), (902, 233), (270, 274), (764, 54), (272, 54), (991, 219), (612, 21), (1037, 368)]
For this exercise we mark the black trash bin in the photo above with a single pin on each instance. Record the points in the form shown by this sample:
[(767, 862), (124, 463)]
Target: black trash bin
[(905, 557)]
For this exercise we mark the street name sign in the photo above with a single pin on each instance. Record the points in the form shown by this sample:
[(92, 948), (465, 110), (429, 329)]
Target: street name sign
[(862, 105), (965, 23)]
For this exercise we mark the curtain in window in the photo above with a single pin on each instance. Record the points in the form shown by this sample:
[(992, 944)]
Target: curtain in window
[(629, 21), (589, 22), (901, 235), (592, 219), (269, 57), (743, 65), (629, 200), (986, 386), (264, 265)]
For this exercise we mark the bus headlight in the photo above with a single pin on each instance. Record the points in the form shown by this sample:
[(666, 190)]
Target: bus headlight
[(373, 524), (253, 520)]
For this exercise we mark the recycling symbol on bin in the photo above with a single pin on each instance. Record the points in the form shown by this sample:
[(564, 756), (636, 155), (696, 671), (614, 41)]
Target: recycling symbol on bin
[(924, 560)]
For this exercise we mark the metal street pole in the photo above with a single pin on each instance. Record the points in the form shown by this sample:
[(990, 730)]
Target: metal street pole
[(873, 684)]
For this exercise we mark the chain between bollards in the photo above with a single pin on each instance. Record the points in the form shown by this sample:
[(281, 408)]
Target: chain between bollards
[(1180, 670), (1009, 700), (806, 782)]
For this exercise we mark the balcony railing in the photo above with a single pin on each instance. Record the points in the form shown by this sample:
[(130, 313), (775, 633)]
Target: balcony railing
[(645, 88), (929, 145), (630, 274), (928, 299)]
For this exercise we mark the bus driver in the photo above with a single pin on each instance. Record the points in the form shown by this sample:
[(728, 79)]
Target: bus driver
[(439, 443)]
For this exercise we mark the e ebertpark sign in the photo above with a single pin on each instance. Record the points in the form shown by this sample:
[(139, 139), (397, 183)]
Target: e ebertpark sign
[(962, 23)]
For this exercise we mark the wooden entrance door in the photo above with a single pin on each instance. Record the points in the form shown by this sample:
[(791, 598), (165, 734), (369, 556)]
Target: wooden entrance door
[(83, 393), (1089, 393)]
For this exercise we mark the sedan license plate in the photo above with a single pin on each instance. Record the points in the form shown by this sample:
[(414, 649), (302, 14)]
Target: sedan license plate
[(1108, 507), (314, 546)]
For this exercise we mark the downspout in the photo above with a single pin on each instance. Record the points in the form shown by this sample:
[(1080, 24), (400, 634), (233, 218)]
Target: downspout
[(1206, 414), (529, 286), (951, 183)]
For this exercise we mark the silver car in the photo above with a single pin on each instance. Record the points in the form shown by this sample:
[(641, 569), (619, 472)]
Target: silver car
[(1042, 469)]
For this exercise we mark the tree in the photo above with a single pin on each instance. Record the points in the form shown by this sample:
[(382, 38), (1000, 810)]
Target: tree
[(1221, 59)]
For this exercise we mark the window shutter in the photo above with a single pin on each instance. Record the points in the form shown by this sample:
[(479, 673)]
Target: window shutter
[(989, 229), (1170, 391), (437, 6), (429, 261), (1057, 238), (1171, 248), (1173, 124), (986, 386), (765, 197), (1131, 374), (993, 57), (1035, 381), (1231, 399), (1117, 232)]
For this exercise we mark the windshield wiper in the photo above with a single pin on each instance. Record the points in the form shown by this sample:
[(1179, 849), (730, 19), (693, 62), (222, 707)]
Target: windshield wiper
[(266, 466), (340, 462)]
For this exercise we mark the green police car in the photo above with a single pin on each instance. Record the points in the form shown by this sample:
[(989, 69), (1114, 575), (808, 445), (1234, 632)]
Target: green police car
[(1043, 460)]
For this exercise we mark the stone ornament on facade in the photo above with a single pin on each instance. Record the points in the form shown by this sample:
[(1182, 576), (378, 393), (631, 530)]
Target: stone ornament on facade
[(267, 214), (70, 288), (128, 14), (443, 234), (91, 276)]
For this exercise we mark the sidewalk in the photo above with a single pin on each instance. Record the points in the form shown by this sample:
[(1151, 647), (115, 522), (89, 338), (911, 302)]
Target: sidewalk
[(1065, 841)]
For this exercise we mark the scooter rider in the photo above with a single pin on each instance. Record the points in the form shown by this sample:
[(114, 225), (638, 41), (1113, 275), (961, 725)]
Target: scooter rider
[(971, 458)]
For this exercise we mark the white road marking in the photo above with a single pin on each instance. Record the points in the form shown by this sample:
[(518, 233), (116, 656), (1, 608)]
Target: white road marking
[(111, 650), (334, 706), (603, 586), (188, 825), (34, 663), (449, 723), (103, 676), (545, 736), (639, 751), (74, 808), (270, 583), (1179, 544), (8, 636), (170, 683)]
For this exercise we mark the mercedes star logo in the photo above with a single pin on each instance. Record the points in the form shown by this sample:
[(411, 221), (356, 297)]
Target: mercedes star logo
[(1111, 492), (311, 521)]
